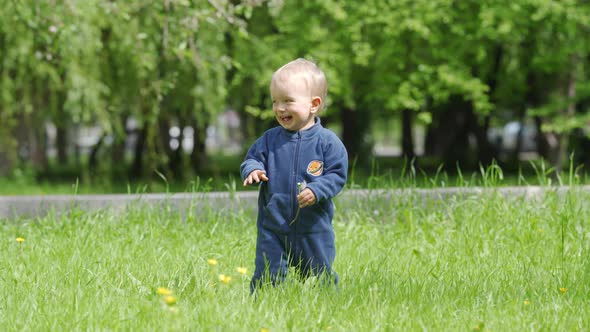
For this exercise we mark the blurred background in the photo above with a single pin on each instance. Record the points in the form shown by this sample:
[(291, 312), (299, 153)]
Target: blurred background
[(107, 93)]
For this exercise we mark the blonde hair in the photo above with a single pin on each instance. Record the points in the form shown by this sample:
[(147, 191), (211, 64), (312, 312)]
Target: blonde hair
[(313, 76)]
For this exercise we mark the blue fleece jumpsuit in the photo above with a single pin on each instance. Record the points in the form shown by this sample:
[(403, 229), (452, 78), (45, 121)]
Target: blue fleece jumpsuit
[(314, 156)]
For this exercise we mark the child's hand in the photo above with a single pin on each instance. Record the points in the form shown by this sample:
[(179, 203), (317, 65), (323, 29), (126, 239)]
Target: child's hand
[(255, 177), (306, 198)]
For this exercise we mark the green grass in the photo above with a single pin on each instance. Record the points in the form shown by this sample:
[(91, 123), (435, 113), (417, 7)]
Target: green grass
[(22, 186), (400, 175), (223, 175), (480, 262)]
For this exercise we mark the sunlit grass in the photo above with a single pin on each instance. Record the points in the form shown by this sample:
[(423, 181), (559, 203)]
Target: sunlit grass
[(381, 174), (476, 263)]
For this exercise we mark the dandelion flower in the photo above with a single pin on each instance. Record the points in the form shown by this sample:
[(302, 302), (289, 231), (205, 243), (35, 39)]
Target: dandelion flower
[(20, 239), (264, 329), (212, 261), (224, 279), (242, 270), (170, 300), (479, 327), (563, 289), (163, 291), (527, 302)]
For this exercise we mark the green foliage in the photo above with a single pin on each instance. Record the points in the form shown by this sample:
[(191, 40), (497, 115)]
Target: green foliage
[(182, 62), (99, 63)]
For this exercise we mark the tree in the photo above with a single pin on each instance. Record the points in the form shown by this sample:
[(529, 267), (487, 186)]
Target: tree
[(105, 62), (563, 50)]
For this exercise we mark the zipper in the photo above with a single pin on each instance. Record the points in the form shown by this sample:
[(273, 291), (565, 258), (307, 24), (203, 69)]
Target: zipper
[(295, 172)]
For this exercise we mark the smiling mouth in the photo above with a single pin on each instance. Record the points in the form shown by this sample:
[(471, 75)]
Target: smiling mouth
[(286, 118)]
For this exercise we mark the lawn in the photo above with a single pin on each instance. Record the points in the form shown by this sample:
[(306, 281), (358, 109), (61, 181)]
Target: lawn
[(382, 173), (483, 262)]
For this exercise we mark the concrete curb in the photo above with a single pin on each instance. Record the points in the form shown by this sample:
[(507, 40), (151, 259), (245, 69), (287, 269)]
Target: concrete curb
[(36, 206)]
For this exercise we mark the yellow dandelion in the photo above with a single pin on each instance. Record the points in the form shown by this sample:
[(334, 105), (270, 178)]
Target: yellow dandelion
[(563, 289), (479, 326), (212, 261), (170, 300), (264, 329), (163, 291), (242, 270), (224, 279), (527, 302), (20, 239)]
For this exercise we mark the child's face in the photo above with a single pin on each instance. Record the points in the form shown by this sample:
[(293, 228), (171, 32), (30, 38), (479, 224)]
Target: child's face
[(293, 104)]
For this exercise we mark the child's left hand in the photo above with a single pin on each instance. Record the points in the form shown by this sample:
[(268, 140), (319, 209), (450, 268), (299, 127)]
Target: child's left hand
[(306, 198)]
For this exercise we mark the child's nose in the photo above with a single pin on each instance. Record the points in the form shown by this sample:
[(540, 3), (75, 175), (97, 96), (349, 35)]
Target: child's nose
[(281, 106)]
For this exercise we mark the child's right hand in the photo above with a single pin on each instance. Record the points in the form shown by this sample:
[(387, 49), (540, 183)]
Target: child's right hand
[(255, 177)]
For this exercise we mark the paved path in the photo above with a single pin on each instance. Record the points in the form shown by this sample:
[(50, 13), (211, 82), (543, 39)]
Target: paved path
[(33, 206)]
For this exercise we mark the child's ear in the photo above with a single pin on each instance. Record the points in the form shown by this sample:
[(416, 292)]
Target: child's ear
[(316, 103)]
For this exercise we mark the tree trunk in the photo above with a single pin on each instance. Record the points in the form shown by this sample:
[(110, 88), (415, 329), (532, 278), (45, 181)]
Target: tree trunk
[(354, 130), (569, 112), (519, 136), (37, 135), (173, 157), (117, 156), (543, 146), (447, 136), (61, 142), (118, 148), (457, 151), (93, 157), (31, 140), (164, 140), (486, 153), (407, 135), (199, 154), (137, 166), (36, 138), (8, 155), (531, 93)]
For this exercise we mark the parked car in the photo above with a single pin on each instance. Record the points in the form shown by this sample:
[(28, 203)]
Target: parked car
[(506, 138)]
